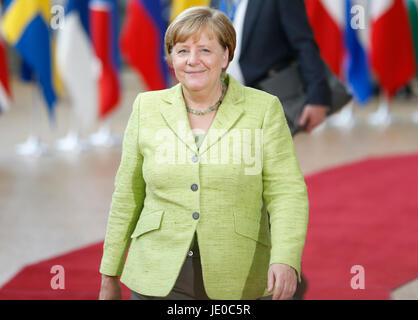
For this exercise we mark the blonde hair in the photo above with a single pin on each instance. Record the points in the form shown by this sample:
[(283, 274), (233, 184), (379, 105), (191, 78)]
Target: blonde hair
[(193, 21)]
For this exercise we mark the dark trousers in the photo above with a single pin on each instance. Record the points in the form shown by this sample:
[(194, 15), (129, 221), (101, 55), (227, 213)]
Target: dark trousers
[(189, 284)]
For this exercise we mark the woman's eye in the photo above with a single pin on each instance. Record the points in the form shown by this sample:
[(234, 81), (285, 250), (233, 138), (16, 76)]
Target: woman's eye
[(205, 50), (181, 51)]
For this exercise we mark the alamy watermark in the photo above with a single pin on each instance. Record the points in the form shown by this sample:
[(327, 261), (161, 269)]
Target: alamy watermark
[(58, 280), (58, 17), (357, 21), (358, 18), (237, 147), (358, 281)]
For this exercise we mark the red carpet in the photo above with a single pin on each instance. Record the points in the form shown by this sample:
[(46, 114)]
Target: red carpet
[(82, 279), (364, 213)]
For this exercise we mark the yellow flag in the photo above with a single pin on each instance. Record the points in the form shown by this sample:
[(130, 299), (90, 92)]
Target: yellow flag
[(178, 6), (56, 76), (19, 14)]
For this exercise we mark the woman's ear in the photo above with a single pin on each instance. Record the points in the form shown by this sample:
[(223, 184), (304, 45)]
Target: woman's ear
[(225, 59)]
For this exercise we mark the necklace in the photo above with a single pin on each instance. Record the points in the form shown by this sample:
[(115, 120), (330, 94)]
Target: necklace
[(212, 108)]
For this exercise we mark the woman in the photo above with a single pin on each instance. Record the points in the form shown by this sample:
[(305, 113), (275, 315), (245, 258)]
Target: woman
[(219, 215)]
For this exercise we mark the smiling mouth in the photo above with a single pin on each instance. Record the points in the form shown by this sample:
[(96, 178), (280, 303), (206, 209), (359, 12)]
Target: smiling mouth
[(195, 72)]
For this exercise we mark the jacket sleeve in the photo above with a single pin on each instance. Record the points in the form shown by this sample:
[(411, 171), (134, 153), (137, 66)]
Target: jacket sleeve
[(300, 36), (284, 190), (127, 199)]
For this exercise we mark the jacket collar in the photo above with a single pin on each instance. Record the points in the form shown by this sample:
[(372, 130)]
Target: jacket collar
[(228, 113)]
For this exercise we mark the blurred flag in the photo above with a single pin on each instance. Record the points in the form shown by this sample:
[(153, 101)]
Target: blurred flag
[(25, 26), (142, 42), (413, 16), (340, 44), (25, 72), (5, 94), (358, 69), (178, 6), (77, 63), (104, 35), (327, 18), (392, 51)]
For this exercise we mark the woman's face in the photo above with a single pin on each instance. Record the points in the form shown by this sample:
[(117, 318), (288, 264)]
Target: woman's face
[(198, 61)]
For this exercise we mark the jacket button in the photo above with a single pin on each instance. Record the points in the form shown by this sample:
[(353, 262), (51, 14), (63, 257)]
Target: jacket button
[(190, 253), (194, 187), (195, 158), (195, 215)]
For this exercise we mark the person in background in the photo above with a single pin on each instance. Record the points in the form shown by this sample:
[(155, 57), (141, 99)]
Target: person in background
[(198, 228), (271, 34)]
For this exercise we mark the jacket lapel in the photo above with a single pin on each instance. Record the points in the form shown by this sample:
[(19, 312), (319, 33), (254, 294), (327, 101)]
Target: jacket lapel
[(176, 117), (229, 112)]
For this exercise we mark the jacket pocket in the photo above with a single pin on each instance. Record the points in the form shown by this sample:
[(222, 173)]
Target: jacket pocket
[(251, 228), (147, 222)]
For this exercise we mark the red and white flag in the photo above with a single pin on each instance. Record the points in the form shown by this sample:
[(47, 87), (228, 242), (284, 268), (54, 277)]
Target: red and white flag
[(5, 94), (77, 63), (392, 50), (104, 35), (327, 18)]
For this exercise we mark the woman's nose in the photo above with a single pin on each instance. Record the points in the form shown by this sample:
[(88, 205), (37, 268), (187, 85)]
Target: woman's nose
[(193, 58)]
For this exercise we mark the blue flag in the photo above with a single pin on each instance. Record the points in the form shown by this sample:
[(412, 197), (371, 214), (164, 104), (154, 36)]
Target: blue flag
[(26, 27), (358, 68)]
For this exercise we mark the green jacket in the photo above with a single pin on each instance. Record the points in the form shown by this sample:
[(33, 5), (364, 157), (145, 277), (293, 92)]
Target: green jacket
[(242, 192)]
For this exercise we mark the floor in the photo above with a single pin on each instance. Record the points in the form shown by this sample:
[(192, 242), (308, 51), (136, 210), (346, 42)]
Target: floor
[(59, 201)]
